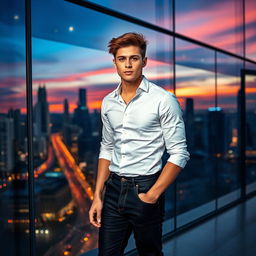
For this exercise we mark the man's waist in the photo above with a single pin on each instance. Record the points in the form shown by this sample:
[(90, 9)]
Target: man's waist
[(137, 178)]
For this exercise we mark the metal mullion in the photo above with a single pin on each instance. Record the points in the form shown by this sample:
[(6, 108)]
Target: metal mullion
[(244, 33), (216, 105), (29, 121), (175, 209), (242, 123)]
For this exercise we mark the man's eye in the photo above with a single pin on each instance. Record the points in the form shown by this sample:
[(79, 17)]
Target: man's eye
[(121, 59), (135, 58)]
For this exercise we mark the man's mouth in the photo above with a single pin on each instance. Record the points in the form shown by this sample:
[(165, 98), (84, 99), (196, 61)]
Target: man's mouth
[(128, 72)]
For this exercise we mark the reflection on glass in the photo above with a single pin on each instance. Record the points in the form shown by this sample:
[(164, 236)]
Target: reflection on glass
[(250, 33), (250, 152), (227, 164), (14, 214), (195, 89), (157, 12), (69, 83), (249, 65), (210, 22)]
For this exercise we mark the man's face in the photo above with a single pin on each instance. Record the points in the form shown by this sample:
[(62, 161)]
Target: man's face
[(129, 63)]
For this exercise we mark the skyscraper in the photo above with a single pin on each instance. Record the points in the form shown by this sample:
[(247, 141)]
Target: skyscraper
[(189, 119), (41, 123), (66, 126), (82, 119), (41, 113), (216, 131), (6, 144), (82, 97)]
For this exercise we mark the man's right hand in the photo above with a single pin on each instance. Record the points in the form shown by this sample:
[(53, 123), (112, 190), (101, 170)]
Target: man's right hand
[(95, 212)]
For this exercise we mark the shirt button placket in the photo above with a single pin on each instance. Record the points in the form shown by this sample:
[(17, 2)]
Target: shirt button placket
[(123, 137)]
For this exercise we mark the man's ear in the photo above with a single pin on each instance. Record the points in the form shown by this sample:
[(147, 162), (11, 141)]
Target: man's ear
[(144, 62), (114, 62)]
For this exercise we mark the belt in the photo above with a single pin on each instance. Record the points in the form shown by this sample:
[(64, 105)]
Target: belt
[(136, 178)]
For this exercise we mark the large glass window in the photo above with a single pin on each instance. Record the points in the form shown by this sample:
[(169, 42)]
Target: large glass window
[(250, 141), (72, 72), (195, 89), (217, 23), (250, 32), (227, 136), (158, 12), (14, 214)]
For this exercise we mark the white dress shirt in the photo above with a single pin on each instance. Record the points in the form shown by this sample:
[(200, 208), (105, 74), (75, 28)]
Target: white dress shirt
[(134, 135)]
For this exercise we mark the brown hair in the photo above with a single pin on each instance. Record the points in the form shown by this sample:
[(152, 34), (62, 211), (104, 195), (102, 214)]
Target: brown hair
[(128, 39)]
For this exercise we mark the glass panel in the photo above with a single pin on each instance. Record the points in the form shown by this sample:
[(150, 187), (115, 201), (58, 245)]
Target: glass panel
[(195, 89), (218, 23), (249, 65), (250, 32), (14, 214), (158, 12), (72, 72), (250, 153), (227, 128)]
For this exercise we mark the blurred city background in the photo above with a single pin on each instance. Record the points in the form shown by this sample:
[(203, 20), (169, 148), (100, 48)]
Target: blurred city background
[(196, 50)]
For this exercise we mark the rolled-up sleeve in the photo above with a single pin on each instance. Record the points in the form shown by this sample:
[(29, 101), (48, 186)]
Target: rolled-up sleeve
[(174, 130), (106, 145)]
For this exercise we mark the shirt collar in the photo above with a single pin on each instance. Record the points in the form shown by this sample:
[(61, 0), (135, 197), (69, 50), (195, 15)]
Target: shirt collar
[(143, 86)]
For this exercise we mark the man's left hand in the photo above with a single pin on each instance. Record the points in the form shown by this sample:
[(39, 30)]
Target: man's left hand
[(146, 198)]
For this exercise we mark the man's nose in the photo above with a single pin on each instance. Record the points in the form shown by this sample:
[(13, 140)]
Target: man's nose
[(128, 64)]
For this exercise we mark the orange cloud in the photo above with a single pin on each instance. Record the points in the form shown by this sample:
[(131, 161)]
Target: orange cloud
[(208, 24), (77, 76)]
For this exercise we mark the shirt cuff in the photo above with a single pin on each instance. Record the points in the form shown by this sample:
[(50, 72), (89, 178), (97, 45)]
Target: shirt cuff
[(178, 161), (105, 155)]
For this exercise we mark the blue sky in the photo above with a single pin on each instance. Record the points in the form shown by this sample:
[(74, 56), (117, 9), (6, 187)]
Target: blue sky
[(70, 47)]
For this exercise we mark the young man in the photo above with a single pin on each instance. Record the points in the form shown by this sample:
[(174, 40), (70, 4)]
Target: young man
[(139, 120)]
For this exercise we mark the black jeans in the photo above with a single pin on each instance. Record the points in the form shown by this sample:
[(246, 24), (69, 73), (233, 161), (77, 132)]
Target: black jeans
[(123, 212)]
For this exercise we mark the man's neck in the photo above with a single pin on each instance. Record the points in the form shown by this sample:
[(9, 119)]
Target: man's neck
[(130, 88)]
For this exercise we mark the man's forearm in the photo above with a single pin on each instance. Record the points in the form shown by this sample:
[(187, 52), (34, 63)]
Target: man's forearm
[(167, 177), (102, 175)]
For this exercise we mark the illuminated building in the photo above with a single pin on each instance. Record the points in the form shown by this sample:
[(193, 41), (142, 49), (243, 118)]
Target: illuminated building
[(6, 144)]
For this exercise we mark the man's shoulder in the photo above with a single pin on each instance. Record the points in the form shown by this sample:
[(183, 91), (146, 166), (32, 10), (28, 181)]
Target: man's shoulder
[(108, 96), (158, 90)]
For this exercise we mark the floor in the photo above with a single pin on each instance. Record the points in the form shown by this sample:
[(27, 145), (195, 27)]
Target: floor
[(232, 233)]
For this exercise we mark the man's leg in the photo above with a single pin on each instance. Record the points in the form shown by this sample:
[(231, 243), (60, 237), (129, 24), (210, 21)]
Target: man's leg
[(115, 228), (147, 224), (148, 239)]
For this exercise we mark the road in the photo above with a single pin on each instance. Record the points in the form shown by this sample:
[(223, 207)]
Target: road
[(81, 237)]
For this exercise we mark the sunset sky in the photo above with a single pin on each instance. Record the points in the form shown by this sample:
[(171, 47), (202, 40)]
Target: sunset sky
[(69, 51)]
